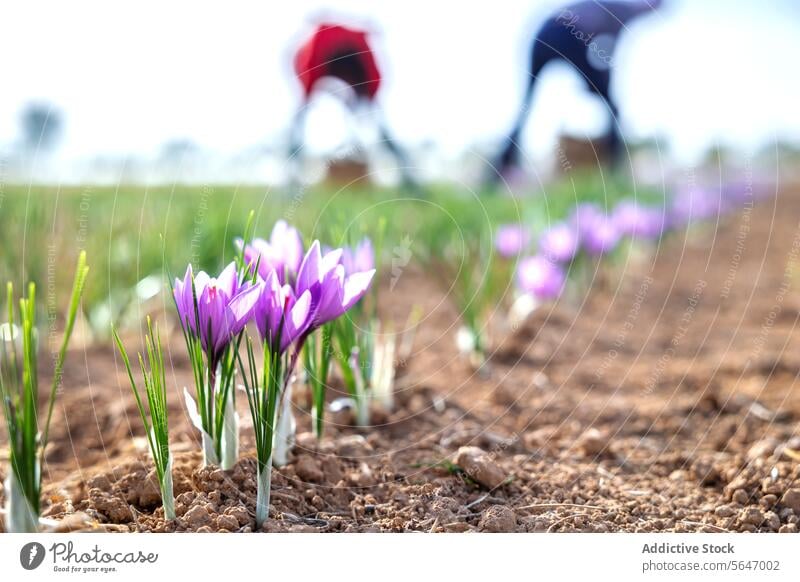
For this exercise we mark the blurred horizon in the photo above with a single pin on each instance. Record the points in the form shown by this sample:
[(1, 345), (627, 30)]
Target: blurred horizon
[(183, 79)]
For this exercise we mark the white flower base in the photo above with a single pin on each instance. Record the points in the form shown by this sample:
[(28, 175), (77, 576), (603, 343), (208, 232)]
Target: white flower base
[(283, 439), (19, 517)]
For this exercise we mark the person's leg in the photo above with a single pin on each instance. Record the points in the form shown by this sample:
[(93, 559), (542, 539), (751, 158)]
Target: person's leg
[(510, 153), (599, 82), (296, 133), (541, 54), (613, 136), (403, 162)]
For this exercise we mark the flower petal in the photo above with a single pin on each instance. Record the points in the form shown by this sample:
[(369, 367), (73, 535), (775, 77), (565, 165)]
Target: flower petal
[(355, 287)]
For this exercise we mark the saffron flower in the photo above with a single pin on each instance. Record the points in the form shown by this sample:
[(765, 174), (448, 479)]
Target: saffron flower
[(358, 259), (332, 290), (598, 233), (692, 205), (213, 312), (223, 307), (281, 318), (585, 215), (559, 243), (286, 315), (511, 240), (637, 221), (540, 277), (282, 253)]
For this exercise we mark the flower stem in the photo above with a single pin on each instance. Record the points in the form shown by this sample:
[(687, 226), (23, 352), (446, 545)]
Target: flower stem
[(264, 484), (20, 515)]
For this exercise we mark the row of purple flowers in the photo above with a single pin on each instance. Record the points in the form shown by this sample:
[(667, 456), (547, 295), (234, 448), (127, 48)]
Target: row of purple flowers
[(591, 230)]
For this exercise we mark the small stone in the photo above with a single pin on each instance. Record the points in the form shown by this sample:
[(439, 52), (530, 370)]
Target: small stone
[(791, 499), (768, 501), (763, 448), (114, 508), (480, 467), (751, 515), (705, 472), (741, 497), (786, 513), (724, 511), (592, 442), (306, 441), (197, 516), (497, 519), (239, 513), (541, 437), (150, 492), (227, 522), (330, 467), (353, 446), (307, 469), (772, 520), (100, 482), (457, 527), (788, 528)]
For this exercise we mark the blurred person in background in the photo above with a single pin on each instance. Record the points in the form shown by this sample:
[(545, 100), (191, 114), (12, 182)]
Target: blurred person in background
[(584, 35), (344, 54)]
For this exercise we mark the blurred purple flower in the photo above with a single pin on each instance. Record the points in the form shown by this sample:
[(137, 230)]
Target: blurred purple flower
[(333, 291), (692, 205), (559, 243), (632, 219), (359, 258), (282, 253), (223, 307), (598, 233), (585, 216), (511, 240), (601, 238), (540, 277)]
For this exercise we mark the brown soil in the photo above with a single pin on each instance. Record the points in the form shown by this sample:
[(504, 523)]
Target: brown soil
[(666, 401)]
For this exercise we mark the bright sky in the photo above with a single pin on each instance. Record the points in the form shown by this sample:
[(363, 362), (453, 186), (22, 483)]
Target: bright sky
[(132, 75)]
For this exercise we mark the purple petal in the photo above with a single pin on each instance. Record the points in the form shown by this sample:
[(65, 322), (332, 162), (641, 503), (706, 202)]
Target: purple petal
[(309, 274), (355, 287)]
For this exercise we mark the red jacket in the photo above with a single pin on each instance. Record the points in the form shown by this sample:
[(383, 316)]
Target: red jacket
[(341, 52)]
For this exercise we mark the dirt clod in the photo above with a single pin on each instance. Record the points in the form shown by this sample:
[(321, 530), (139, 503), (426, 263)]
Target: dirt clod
[(791, 499), (480, 467), (497, 519), (197, 517)]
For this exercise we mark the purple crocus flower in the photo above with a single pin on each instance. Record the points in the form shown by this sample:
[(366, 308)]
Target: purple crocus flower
[(282, 253), (333, 290), (637, 221), (223, 307), (692, 205), (559, 243), (359, 258), (585, 216), (279, 312), (598, 233), (601, 238), (540, 277), (511, 240)]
